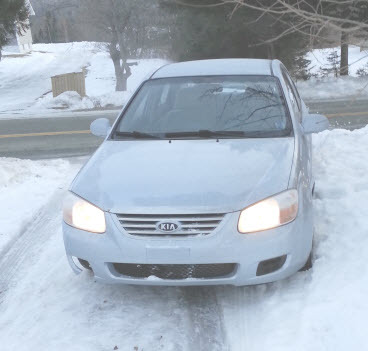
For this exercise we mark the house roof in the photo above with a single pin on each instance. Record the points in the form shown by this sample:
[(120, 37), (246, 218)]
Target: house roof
[(215, 67)]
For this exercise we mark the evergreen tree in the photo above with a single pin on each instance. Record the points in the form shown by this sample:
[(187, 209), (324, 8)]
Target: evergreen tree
[(333, 66), (356, 10), (302, 69), (202, 32), (12, 13), (310, 18), (363, 71)]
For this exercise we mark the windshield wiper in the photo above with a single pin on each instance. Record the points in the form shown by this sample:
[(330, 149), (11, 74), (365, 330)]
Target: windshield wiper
[(229, 133), (136, 135), (205, 133)]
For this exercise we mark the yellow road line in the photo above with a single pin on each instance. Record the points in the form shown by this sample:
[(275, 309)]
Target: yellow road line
[(44, 134), (347, 114)]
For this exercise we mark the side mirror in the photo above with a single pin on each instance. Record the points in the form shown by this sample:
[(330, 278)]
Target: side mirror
[(315, 123), (100, 127)]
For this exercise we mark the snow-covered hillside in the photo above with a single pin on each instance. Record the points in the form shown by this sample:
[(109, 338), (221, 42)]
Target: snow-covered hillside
[(46, 307), (25, 81)]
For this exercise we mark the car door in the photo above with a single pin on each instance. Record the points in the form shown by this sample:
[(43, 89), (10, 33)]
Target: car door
[(305, 140)]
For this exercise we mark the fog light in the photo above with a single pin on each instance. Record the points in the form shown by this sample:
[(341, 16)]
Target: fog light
[(271, 265)]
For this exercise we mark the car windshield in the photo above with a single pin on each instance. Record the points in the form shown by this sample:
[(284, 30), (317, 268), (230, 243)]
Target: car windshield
[(206, 107)]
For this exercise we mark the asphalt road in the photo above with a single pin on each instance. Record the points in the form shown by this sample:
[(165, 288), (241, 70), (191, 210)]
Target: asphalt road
[(347, 114), (68, 135), (52, 137)]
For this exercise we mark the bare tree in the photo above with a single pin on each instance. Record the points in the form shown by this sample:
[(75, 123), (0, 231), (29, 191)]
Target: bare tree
[(310, 17), (119, 21)]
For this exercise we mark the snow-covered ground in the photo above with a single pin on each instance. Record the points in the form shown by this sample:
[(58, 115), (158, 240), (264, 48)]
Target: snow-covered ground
[(325, 308), (25, 187), (319, 59), (331, 87), (341, 88), (25, 80), (48, 308)]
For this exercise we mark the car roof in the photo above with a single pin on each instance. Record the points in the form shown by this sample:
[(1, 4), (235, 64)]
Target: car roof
[(215, 68)]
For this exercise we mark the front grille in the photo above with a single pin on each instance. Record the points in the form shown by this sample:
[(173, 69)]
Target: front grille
[(189, 225), (175, 271)]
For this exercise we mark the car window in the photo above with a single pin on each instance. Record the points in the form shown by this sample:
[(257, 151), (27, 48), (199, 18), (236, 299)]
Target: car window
[(293, 95), (295, 89), (248, 104)]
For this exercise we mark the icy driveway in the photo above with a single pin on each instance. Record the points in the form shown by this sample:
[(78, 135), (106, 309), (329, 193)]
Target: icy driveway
[(45, 307)]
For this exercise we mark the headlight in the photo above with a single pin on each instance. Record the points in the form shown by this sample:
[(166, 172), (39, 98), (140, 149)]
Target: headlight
[(82, 215), (269, 213)]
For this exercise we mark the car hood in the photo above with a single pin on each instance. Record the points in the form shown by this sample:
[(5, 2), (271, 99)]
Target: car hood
[(185, 176)]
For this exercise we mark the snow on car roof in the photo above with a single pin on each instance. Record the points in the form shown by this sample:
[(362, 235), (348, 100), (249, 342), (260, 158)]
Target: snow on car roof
[(215, 67)]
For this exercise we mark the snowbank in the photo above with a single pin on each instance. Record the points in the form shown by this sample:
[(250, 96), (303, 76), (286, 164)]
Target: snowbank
[(26, 85), (26, 186), (334, 88), (325, 308), (331, 87)]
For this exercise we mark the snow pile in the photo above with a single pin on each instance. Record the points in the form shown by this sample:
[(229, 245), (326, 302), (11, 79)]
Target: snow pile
[(25, 81), (334, 88), (325, 308), (68, 100), (26, 186), (11, 50)]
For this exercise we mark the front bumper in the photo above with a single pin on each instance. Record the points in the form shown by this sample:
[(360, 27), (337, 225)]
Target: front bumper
[(223, 245)]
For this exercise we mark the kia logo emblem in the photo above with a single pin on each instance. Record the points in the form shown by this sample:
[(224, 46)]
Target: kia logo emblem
[(167, 227)]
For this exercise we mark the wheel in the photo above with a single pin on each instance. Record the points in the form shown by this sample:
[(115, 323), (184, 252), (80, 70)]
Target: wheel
[(85, 264), (308, 265)]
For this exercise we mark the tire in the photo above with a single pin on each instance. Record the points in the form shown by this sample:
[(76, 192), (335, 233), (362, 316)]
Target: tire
[(84, 264), (308, 265)]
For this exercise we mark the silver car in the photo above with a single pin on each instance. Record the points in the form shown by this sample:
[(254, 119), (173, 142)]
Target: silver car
[(204, 179)]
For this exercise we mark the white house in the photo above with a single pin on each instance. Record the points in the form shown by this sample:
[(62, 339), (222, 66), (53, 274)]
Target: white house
[(24, 39)]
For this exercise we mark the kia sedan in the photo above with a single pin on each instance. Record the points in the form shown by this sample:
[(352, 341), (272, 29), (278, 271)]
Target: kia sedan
[(205, 178)]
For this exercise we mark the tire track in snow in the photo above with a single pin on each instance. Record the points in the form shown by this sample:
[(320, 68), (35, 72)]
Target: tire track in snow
[(25, 249), (33, 234), (205, 314), (201, 315), (240, 306)]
